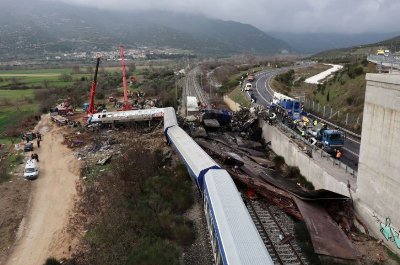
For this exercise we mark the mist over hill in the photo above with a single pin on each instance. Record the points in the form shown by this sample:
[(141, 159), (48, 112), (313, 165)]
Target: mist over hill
[(34, 29)]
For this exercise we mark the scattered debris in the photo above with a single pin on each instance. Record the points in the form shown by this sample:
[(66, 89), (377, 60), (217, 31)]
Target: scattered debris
[(104, 161)]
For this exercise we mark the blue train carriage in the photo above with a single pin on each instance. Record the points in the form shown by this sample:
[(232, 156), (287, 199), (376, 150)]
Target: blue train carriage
[(234, 237)]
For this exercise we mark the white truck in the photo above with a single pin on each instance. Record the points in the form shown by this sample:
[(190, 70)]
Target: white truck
[(248, 87)]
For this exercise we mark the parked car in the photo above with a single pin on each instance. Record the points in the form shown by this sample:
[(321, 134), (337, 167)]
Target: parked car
[(28, 147), (31, 170)]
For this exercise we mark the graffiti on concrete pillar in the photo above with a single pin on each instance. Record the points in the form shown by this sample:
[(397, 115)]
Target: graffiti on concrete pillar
[(389, 232)]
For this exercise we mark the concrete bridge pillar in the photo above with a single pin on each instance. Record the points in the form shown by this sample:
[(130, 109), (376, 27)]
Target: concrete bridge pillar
[(377, 199)]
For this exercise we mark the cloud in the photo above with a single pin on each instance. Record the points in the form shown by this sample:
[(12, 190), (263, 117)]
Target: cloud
[(346, 16)]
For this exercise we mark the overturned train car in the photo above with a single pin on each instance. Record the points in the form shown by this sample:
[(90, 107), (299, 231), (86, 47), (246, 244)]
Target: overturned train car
[(123, 117)]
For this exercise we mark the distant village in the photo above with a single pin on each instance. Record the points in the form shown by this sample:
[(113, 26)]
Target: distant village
[(130, 54)]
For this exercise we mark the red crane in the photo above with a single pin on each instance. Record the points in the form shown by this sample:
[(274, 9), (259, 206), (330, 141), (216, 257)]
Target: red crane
[(127, 105), (91, 110)]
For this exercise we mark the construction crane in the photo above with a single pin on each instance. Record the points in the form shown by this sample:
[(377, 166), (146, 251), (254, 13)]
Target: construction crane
[(91, 109), (127, 105)]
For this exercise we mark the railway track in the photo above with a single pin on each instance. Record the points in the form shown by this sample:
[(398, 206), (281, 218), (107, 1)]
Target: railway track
[(193, 88), (282, 251)]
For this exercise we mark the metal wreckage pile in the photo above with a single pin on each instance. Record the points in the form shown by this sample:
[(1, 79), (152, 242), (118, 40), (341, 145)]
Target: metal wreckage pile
[(235, 141)]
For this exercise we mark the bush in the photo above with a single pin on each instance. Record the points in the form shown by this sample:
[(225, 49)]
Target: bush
[(100, 95), (364, 62), (354, 71), (294, 172), (349, 100), (154, 252), (286, 78), (52, 261), (279, 161)]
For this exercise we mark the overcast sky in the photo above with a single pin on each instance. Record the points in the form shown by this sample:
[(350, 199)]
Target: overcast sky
[(346, 16)]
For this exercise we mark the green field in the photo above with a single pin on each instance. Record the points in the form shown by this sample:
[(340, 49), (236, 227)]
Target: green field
[(14, 105), (37, 71), (38, 78)]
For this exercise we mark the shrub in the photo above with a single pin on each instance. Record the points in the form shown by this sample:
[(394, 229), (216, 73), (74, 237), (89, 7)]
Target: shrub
[(349, 100), (293, 172), (279, 161), (364, 62), (286, 78), (100, 95), (52, 261), (154, 252)]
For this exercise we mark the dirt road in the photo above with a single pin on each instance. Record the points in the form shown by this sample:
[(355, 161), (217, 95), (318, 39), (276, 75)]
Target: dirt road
[(43, 230)]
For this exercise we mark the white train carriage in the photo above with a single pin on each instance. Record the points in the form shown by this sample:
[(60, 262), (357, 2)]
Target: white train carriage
[(234, 237), (195, 158), (117, 117), (169, 118)]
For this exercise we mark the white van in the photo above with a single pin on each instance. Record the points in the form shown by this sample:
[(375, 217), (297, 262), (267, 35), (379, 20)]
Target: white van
[(31, 170), (248, 87)]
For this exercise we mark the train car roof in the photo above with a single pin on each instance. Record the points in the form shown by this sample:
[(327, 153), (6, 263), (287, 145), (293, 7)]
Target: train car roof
[(192, 154), (239, 237)]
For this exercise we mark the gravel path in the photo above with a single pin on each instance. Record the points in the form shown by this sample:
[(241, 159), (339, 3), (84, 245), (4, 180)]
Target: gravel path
[(199, 253)]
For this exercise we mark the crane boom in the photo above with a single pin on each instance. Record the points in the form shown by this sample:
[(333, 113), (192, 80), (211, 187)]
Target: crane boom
[(91, 109), (127, 106)]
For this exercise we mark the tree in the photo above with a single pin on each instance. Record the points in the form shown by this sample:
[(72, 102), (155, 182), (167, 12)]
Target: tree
[(131, 68), (65, 77)]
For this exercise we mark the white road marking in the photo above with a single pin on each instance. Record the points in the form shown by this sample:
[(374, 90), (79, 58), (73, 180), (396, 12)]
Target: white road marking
[(351, 152)]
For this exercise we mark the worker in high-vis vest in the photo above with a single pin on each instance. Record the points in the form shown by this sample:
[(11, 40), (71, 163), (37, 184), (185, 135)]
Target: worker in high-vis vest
[(338, 154)]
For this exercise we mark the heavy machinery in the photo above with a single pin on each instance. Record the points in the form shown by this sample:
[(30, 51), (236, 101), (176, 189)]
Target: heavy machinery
[(91, 108), (328, 139), (331, 140), (126, 104), (292, 108)]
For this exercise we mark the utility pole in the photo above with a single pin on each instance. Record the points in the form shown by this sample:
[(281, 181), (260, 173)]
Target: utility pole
[(176, 91)]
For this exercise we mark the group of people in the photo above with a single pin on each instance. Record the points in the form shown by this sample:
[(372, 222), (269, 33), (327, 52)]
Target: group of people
[(36, 135), (35, 156)]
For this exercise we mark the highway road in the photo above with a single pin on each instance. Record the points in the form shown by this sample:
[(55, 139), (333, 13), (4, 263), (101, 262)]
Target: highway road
[(264, 94)]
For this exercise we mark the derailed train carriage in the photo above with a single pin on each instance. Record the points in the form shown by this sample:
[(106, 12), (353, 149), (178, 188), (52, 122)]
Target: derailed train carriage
[(234, 237), (118, 118)]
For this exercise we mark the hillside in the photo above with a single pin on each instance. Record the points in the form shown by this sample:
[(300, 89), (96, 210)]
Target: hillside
[(392, 44), (29, 30), (311, 43), (344, 92)]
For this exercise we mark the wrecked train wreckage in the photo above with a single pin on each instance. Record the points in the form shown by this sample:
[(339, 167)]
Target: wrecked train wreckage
[(124, 117)]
